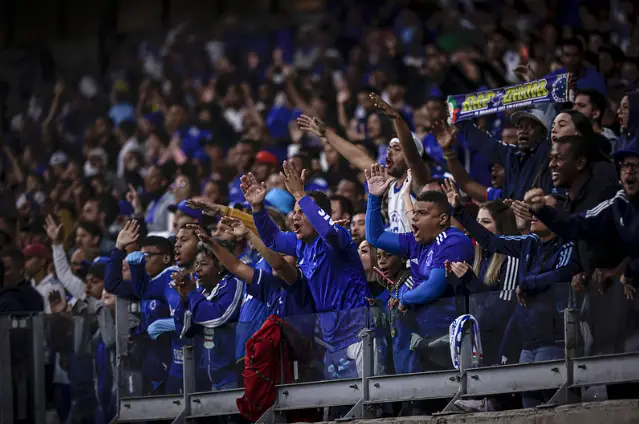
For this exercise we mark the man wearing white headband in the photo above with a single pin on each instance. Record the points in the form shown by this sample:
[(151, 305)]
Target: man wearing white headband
[(401, 156)]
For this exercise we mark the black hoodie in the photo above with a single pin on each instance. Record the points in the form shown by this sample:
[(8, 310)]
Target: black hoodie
[(20, 298)]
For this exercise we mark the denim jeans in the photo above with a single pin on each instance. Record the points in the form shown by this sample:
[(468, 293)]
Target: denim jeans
[(544, 353)]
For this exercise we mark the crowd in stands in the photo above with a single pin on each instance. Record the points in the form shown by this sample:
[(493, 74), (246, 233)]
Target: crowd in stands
[(312, 174)]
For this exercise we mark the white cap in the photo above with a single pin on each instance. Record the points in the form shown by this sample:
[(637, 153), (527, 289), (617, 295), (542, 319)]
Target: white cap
[(418, 143)]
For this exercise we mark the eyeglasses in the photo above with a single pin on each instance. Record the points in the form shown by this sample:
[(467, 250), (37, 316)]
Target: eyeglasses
[(629, 166)]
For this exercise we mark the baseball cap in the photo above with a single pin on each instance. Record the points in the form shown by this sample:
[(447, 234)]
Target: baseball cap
[(36, 251), (534, 114), (126, 208), (627, 151), (182, 207), (416, 140), (280, 199), (97, 269), (58, 158), (265, 156)]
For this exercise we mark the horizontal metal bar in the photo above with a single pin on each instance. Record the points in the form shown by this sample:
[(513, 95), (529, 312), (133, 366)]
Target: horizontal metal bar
[(319, 394), (148, 408), (515, 378), (215, 403), (606, 369), (404, 387)]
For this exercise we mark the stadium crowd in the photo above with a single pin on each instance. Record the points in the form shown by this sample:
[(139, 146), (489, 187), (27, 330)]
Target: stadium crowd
[(312, 174)]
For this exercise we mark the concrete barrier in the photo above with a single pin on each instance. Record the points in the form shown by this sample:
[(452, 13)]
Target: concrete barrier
[(617, 412)]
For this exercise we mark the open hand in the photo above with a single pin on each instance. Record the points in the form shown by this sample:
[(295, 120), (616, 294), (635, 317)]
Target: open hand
[(459, 268), (628, 289), (406, 188), (128, 235), (201, 234), (183, 283), (57, 302), (444, 133), (293, 179), (236, 226), (208, 208), (254, 192), (378, 180), (312, 125), (450, 189), (133, 198), (578, 281), (383, 107), (53, 230), (535, 199)]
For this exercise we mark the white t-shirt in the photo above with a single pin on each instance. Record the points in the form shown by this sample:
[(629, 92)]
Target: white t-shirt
[(399, 221)]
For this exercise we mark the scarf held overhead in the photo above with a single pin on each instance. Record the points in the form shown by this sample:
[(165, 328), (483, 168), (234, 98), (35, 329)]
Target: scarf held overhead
[(544, 90)]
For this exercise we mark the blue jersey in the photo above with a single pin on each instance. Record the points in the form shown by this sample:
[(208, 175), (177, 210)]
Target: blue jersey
[(252, 315), (158, 288), (151, 309), (332, 266), (207, 315), (191, 139), (450, 245)]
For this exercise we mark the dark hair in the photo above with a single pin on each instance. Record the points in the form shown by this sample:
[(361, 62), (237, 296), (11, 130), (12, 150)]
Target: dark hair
[(188, 172), (359, 188), (128, 128), (597, 100), (91, 228), (109, 206), (345, 204), (162, 135), (504, 217), (573, 41), (437, 198), (321, 199), (14, 254), (581, 123), (164, 245), (306, 160)]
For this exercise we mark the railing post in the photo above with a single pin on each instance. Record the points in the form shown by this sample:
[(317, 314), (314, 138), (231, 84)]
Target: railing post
[(39, 384), (188, 381), (564, 395), (360, 411), (121, 343), (6, 382), (465, 363)]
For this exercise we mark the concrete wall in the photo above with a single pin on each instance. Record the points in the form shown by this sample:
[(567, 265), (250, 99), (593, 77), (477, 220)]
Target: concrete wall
[(617, 412)]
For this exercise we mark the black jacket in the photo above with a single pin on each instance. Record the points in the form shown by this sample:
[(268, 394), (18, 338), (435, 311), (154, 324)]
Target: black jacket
[(602, 184), (21, 298)]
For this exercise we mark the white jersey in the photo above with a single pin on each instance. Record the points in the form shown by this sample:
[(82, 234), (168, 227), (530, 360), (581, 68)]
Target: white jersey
[(399, 221)]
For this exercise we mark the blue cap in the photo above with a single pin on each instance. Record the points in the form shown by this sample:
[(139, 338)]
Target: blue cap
[(280, 199), (182, 207), (126, 209), (101, 260), (626, 151)]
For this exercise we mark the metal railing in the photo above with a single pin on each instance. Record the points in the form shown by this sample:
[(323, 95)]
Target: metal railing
[(610, 359)]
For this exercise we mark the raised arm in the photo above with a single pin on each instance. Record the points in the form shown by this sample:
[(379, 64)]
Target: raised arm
[(273, 238), (421, 172), (354, 154), (143, 286), (113, 281), (445, 137), (588, 225), (378, 183), (510, 246), (335, 235), (494, 150), (71, 282)]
